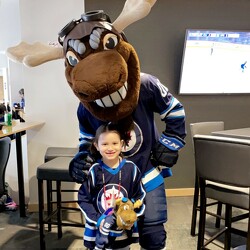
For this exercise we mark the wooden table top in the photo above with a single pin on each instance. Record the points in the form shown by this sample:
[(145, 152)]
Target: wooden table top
[(19, 127), (242, 133)]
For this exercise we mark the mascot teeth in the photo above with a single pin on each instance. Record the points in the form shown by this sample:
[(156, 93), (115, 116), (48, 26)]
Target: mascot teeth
[(114, 98), (122, 221)]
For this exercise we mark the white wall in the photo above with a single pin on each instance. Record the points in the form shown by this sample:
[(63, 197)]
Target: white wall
[(9, 25), (10, 33), (48, 96)]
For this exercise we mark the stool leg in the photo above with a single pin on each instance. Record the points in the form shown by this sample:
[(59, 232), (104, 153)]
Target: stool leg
[(195, 206), (59, 215), (49, 200), (248, 231), (41, 210), (228, 224), (219, 211), (202, 222)]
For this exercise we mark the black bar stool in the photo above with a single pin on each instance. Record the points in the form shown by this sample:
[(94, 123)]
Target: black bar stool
[(53, 152), (54, 170)]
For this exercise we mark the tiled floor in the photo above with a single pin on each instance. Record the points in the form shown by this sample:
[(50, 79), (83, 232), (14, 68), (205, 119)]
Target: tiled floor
[(22, 233)]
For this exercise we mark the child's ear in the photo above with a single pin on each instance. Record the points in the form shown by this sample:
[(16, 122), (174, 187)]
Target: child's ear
[(96, 146), (122, 142)]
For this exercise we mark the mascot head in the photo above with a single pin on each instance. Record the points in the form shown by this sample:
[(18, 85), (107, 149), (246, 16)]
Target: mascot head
[(101, 67)]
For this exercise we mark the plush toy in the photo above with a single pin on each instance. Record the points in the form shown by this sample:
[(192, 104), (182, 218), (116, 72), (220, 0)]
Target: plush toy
[(125, 214)]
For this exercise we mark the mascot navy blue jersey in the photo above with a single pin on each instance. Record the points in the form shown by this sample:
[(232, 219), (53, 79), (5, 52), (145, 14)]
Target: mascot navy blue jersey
[(154, 98)]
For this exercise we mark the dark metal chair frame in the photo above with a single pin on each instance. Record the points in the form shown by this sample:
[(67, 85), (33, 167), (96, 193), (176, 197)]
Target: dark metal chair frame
[(226, 161), (204, 128)]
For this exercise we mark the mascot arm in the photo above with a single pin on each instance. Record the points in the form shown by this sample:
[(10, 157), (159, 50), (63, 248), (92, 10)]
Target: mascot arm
[(165, 150), (83, 160), (79, 166)]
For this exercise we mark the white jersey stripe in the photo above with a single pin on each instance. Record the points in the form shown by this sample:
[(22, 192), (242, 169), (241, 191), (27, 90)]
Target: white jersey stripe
[(150, 176), (171, 106)]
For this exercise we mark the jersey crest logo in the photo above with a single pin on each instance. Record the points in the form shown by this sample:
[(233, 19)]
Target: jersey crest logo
[(135, 142), (106, 198)]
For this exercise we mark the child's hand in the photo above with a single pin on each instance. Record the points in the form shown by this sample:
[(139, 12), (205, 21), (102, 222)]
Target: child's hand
[(107, 223), (104, 229)]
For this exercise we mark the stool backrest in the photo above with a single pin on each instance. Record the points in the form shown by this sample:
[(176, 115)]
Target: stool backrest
[(5, 145), (205, 128), (223, 159)]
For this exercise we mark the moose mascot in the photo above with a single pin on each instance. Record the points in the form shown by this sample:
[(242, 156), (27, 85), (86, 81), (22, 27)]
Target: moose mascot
[(102, 69)]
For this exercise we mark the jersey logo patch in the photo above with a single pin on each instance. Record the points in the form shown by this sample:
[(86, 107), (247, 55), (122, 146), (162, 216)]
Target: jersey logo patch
[(106, 198), (134, 143)]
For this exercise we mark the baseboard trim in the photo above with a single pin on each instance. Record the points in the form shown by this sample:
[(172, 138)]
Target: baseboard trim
[(169, 193), (34, 207), (179, 192)]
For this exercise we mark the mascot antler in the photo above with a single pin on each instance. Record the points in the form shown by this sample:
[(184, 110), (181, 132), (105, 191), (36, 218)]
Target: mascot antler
[(35, 54), (133, 11)]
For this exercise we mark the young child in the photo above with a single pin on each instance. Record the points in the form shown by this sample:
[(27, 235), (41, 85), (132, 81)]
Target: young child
[(111, 178)]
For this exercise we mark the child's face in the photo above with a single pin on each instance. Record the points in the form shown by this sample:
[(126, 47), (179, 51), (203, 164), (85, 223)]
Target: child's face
[(109, 145)]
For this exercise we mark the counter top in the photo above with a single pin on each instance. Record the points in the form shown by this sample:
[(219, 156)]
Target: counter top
[(242, 133), (19, 127)]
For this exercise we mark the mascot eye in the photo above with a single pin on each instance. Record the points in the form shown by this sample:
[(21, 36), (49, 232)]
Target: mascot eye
[(110, 41), (126, 207), (72, 59)]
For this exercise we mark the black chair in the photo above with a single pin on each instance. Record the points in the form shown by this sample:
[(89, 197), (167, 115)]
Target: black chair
[(50, 154), (204, 128), (5, 146), (53, 152), (55, 170), (222, 165)]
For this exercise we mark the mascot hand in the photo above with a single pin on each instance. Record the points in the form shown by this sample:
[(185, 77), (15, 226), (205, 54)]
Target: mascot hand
[(104, 229), (166, 149), (79, 166)]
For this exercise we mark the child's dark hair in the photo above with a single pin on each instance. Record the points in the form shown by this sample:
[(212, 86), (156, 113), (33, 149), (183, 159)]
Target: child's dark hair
[(106, 128)]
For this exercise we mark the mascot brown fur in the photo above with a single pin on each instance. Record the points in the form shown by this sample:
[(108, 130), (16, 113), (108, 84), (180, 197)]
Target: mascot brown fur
[(106, 80)]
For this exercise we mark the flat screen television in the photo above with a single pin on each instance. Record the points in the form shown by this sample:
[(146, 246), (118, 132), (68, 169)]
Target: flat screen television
[(215, 62)]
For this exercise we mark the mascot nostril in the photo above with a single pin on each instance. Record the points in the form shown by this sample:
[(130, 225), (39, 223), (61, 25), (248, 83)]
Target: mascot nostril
[(82, 95)]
